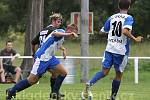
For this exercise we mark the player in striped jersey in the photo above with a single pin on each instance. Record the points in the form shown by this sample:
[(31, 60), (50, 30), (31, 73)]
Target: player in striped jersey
[(45, 59), (118, 27), (56, 21)]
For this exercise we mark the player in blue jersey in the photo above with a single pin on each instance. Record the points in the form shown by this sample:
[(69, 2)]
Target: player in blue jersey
[(118, 27), (55, 22), (45, 59)]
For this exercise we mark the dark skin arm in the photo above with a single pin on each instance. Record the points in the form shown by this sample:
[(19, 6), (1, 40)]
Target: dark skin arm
[(127, 33)]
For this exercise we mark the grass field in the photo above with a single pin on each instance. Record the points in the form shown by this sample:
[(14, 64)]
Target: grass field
[(128, 90)]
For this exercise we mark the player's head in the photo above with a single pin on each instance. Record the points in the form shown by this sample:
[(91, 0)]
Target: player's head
[(9, 45), (72, 28), (124, 4), (56, 19)]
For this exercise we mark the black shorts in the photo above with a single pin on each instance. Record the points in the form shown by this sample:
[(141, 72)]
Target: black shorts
[(9, 69)]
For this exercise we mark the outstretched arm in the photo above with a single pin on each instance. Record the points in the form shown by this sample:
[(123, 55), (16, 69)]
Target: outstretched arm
[(60, 34), (127, 33)]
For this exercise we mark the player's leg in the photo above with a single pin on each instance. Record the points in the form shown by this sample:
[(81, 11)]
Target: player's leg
[(119, 64), (99, 75), (107, 63), (18, 74), (32, 79), (116, 84), (52, 78), (2, 75), (38, 69), (62, 74), (52, 82)]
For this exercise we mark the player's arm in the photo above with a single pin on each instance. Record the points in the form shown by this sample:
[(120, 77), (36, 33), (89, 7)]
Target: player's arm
[(63, 49), (15, 56), (106, 27), (128, 33), (127, 27), (60, 34), (35, 43)]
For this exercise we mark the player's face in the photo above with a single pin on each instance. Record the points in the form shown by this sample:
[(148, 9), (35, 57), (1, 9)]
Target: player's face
[(9, 46), (58, 22)]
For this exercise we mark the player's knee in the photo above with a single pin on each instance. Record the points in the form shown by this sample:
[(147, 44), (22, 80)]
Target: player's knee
[(54, 75), (105, 73), (118, 77), (32, 79), (64, 73)]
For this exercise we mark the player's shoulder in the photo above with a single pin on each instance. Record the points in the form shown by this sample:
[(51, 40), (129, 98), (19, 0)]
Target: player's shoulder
[(129, 17), (49, 27)]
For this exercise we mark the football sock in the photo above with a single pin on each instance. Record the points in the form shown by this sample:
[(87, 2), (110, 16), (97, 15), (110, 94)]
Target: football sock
[(115, 87), (19, 87), (58, 83), (52, 82), (96, 77)]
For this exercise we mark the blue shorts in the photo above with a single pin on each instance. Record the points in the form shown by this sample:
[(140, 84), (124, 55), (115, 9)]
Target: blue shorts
[(40, 67), (119, 61)]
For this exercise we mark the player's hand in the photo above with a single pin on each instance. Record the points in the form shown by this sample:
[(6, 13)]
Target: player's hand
[(74, 34), (138, 39), (17, 55)]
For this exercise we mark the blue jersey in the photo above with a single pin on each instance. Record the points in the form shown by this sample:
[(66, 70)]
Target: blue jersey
[(118, 43), (49, 45)]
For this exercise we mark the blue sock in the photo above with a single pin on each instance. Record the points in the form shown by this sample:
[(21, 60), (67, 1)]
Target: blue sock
[(96, 77), (58, 83), (52, 82), (19, 87), (115, 87)]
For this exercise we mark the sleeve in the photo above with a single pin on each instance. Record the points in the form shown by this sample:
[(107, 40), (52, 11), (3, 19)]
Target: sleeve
[(128, 23), (59, 30), (106, 26), (35, 40)]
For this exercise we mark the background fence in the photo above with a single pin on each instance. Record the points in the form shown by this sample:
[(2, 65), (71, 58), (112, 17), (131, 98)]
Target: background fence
[(70, 65)]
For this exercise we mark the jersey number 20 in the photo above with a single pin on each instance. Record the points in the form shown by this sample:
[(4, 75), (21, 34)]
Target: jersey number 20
[(117, 28)]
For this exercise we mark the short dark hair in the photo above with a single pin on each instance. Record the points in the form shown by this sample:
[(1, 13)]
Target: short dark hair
[(9, 41), (124, 4)]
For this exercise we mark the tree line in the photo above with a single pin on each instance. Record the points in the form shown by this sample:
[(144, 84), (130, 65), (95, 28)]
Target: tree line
[(14, 13)]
